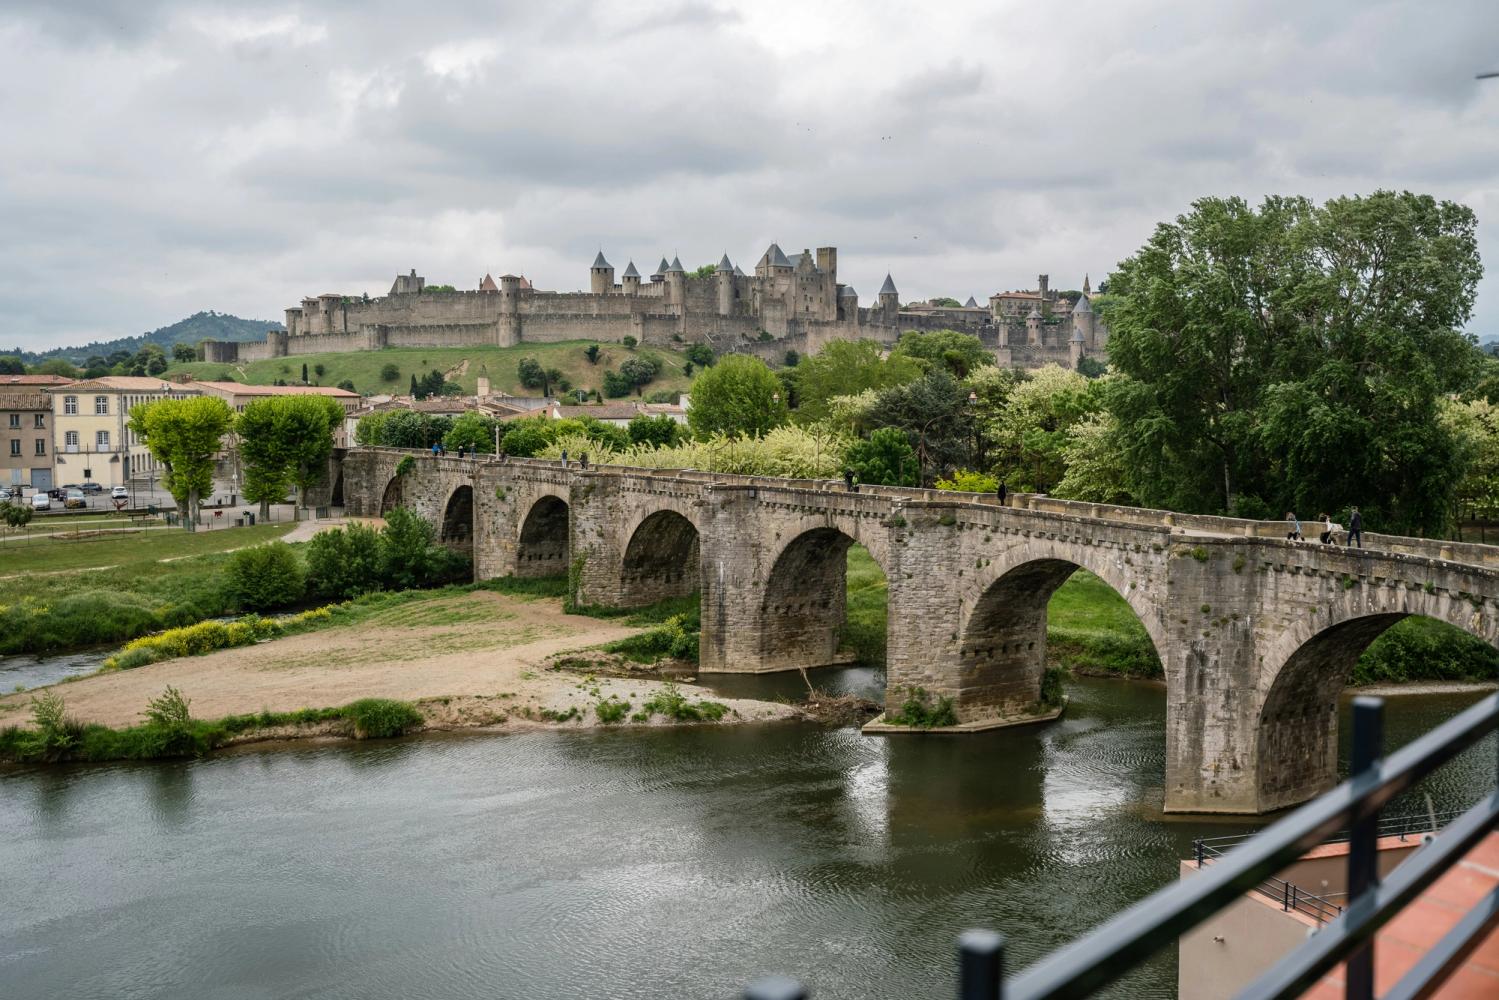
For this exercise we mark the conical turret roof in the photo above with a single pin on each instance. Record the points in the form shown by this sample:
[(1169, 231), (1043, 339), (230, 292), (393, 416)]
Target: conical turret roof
[(724, 265), (488, 285), (847, 292), (970, 304), (661, 267), (675, 267), (1033, 314), (776, 257), (1083, 305), (888, 288), (599, 261), (630, 271), (738, 273)]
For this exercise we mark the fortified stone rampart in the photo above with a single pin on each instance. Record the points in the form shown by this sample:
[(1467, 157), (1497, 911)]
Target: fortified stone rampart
[(1257, 634)]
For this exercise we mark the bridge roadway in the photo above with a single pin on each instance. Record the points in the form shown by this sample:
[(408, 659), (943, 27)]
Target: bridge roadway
[(1258, 635)]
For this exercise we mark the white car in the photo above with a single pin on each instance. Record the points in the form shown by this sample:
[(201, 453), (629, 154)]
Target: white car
[(119, 493), (5, 493), (41, 501)]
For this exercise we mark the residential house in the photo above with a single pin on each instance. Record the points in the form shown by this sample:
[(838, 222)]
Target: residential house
[(91, 437), (26, 430)]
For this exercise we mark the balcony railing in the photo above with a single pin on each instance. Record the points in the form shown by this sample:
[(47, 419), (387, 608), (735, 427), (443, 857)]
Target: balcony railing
[(1099, 958)]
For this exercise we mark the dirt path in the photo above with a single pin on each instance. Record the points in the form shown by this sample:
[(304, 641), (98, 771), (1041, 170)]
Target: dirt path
[(482, 652)]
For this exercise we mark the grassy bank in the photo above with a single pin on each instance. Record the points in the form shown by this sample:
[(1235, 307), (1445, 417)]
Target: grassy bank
[(118, 589), (462, 365), (171, 732)]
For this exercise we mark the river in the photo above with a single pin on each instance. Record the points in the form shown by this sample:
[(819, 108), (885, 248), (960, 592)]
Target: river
[(623, 863)]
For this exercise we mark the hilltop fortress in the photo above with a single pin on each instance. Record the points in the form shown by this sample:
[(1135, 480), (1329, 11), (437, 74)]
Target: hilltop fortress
[(793, 303)]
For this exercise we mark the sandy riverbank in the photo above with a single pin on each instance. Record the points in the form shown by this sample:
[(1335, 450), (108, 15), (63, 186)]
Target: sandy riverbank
[(473, 659)]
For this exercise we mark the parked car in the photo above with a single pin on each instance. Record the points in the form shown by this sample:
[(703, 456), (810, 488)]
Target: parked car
[(92, 488), (119, 493), (75, 499), (41, 501), (5, 493)]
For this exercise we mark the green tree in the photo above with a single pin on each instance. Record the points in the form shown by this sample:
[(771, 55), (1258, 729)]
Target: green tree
[(616, 384), (347, 385), (305, 379), (1475, 425), (319, 369), (591, 352), (739, 396), (370, 431), (1292, 356), (699, 354), (406, 544), (473, 432), (57, 366), (183, 352), (302, 438), (264, 456), (960, 353), (185, 436), (389, 372), (525, 438), (885, 458), (968, 481), (11, 365), (658, 432), (932, 412), (264, 577), (629, 342), (531, 374), (344, 562), (640, 371), (847, 368), (1092, 457), (1028, 437)]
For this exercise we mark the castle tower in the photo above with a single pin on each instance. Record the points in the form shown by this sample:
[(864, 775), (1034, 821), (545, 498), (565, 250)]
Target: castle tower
[(1033, 326), (827, 261), (601, 276), (848, 303), (508, 333), (659, 275), (723, 276), (1075, 348), (630, 280), (1082, 319), (889, 299), (1087, 289), (676, 283), (1042, 281)]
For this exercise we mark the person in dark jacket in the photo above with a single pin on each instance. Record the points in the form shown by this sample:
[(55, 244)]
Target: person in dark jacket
[(848, 480), (1001, 492), (1355, 528)]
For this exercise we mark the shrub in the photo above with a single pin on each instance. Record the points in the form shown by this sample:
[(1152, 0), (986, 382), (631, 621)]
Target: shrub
[(700, 355), (629, 342), (344, 562), (382, 718), (670, 702), (389, 372), (1051, 688), (676, 638), (54, 734), (918, 712), (591, 352), (406, 550), (264, 577), (611, 710)]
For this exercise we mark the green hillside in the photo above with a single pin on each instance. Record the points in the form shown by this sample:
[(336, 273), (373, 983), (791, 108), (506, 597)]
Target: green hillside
[(461, 364), (199, 326)]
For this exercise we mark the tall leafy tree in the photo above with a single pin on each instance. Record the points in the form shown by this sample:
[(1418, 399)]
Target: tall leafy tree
[(847, 368), (286, 440), (264, 456), (739, 396), (185, 436), (1291, 356), (960, 353)]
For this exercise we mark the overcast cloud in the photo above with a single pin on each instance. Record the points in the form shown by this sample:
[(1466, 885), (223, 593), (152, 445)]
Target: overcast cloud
[(163, 157)]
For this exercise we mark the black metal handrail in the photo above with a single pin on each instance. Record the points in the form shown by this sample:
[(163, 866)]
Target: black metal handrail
[(1100, 957)]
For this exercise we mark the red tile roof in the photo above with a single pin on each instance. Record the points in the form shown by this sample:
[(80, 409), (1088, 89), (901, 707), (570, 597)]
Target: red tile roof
[(6, 380)]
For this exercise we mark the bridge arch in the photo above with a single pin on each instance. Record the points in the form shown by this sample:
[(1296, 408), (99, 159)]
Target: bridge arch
[(1002, 637), (457, 531), (662, 558), (1304, 672), (543, 544), (804, 603), (391, 498)]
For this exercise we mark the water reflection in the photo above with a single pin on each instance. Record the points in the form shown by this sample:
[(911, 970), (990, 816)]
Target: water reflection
[(621, 863)]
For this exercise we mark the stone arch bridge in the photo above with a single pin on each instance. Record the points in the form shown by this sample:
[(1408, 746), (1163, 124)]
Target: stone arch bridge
[(1257, 634)]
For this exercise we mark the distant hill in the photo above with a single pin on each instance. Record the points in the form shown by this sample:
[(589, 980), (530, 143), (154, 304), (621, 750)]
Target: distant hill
[(199, 326)]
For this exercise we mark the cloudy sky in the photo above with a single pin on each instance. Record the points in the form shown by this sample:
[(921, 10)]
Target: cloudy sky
[(162, 157)]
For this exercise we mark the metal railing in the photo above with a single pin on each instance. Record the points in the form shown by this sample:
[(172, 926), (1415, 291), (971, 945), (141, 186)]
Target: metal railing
[(1131, 937)]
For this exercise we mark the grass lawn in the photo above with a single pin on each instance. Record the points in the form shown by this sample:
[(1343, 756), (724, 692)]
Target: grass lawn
[(124, 549), (463, 365), (865, 618), (1090, 628)]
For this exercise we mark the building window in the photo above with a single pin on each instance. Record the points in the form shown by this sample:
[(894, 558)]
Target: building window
[(101, 406), (15, 448), (71, 439), (37, 421), (41, 446), (15, 421), (70, 405), (101, 440)]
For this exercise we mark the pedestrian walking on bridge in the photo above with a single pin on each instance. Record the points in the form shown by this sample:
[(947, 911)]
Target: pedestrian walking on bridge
[(1295, 525), (1355, 528), (1001, 492)]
